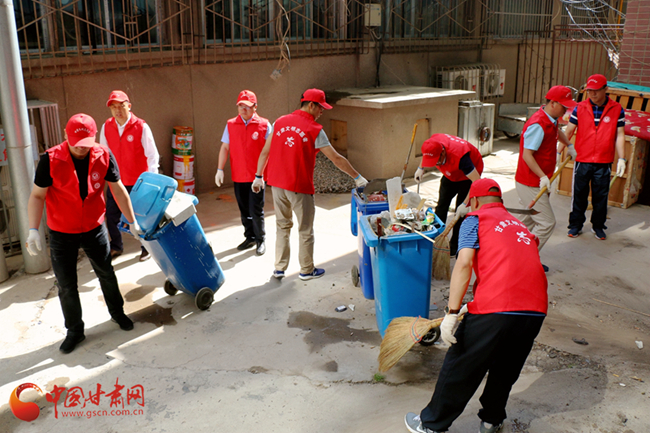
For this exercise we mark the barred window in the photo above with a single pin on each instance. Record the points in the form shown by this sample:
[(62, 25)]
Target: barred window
[(431, 19), (511, 18)]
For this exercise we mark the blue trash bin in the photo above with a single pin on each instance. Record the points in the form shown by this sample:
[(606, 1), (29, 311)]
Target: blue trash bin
[(401, 272), (362, 275), (174, 237)]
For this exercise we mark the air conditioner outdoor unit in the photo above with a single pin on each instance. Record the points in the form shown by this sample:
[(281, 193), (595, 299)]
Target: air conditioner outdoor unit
[(476, 124), (494, 82)]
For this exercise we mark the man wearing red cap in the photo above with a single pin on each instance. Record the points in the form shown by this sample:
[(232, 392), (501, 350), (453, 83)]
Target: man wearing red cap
[(600, 123), (460, 163), (131, 141), (244, 138), (70, 177), (502, 321), (291, 155), (537, 159)]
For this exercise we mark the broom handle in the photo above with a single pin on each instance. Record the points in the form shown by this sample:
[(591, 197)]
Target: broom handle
[(415, 127), (611, 184), (543, 190), (449, 227)]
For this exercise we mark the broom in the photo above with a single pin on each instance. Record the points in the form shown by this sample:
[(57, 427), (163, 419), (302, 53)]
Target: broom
[(441, 268), (401, 335)]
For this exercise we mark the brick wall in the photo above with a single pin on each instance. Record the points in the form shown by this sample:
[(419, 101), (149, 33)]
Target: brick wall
[(634, 66)]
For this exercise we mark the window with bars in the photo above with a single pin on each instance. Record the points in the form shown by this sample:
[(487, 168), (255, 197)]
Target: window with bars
[(511, 18), (431, 19), (238, 21)]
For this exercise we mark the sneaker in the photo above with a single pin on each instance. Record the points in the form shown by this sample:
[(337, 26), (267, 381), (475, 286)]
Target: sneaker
[(316, 273), (71, 342), (486, 427), (278, 275), (146, 255), (600, 233), (414, 424), (544, 267), (574, 233), (248, 243), (261, 248), (125, 323)]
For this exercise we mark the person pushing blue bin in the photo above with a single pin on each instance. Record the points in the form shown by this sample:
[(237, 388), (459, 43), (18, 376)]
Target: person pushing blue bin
[(173, 235)]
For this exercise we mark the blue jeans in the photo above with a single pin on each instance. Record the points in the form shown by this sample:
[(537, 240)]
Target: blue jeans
[(584, 174), (64, 248)]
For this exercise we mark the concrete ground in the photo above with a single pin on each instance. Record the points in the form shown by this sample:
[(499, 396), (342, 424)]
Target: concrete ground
[(276, 357)]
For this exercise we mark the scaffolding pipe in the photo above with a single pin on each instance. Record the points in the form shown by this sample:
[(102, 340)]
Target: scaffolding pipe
[(13, 106)]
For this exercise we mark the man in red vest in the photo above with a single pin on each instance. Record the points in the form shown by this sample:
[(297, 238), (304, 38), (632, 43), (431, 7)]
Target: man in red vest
[(291, 155), (537, 159), (244, 138), (70, 177), (601, 131), (499, 329), (460, 163), (131, 141)]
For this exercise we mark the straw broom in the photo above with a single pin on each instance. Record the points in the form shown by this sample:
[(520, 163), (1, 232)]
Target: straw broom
[(401, 335), (441, 268)]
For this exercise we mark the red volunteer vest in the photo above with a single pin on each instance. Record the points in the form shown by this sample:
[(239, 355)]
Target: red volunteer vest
[(545, 155), (246, 143), (597, 145), (509, 275), (455, 148), (66, 212), (127, 149), (292, 157)]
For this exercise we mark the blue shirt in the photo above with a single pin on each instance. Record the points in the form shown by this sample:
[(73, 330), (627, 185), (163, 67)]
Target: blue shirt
[(534, 135), (598, 111)]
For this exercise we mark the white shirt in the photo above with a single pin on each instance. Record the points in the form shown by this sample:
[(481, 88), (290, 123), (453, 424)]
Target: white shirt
[(148, 143)]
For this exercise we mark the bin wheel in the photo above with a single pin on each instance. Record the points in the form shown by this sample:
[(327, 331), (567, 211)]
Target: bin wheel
[(431, 337), (355, 276), (204, 298), (169, 288), (510, 135)]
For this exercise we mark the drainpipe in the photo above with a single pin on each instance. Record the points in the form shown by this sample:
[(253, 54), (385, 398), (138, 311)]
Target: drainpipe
[(13, 106)]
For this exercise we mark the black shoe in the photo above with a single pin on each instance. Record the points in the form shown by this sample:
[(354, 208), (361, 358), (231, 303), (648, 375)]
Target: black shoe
[(261, 248), (71, 342), (544, 267), (146, 255), (116, 253), (125, 323), (246, 244)]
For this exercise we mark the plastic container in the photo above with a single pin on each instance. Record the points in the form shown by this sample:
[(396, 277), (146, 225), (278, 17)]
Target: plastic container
[(401, 272), (183, 167), (186, 186), (182, 137), (362, 274), (174, 237)]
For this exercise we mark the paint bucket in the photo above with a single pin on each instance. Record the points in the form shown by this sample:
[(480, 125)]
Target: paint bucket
[(182, 140), (186, 186), (183, 167)]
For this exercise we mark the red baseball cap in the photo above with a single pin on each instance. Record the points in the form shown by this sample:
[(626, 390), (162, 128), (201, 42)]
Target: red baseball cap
[(117, 96), (562, 95), (596, 82), (481, 188), (81, 130), (431, 150), (317, 96), (247, 98)]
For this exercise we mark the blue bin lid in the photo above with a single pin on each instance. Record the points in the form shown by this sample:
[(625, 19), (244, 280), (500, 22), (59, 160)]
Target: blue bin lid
[(150, 197)]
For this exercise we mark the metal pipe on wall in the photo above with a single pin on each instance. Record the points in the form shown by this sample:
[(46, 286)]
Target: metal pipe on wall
[(13, 105)]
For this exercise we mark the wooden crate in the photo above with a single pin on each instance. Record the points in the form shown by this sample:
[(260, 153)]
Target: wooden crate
[(625, 191)]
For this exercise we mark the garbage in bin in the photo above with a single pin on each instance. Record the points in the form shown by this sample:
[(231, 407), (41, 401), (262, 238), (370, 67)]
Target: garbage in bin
[(174, 237), (401, 264)]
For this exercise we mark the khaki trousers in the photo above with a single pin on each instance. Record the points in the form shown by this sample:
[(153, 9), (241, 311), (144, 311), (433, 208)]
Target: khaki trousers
[(303, 206), (542, 224)]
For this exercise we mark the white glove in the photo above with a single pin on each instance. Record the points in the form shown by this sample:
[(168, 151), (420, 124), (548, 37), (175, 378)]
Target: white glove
[(544, 182), (620, 167), (34, 242), (571, 151), (448, 328), (258, 184), (461, 211), (463, 310), (360, 181), (418, 174), (135, 229), (218, 178)]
